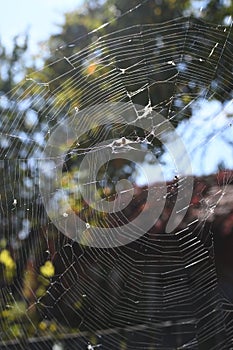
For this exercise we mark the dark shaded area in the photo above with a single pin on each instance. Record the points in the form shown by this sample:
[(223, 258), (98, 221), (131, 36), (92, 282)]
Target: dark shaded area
[(177, 287)]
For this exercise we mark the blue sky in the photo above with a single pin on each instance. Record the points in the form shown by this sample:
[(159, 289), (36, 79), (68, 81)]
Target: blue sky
[(207, 138), (39, 16)]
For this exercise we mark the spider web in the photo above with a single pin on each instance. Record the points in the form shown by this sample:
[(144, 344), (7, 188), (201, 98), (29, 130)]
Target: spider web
[(162, 289)]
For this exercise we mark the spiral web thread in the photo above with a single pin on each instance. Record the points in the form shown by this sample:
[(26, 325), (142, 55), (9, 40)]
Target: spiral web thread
[(161, 291)]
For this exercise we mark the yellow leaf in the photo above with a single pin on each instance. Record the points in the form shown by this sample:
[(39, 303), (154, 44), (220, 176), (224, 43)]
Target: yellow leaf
[(42, 325), (47, 270), (53, 327), (6, 259), (15, 330)]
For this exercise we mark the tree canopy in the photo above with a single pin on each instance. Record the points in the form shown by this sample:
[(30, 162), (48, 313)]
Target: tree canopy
[(81, 68)]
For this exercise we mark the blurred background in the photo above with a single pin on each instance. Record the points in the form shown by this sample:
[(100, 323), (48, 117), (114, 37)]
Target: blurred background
[(50, 65)]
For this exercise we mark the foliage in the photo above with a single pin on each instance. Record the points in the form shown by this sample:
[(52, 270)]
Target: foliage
[(34, 274)]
